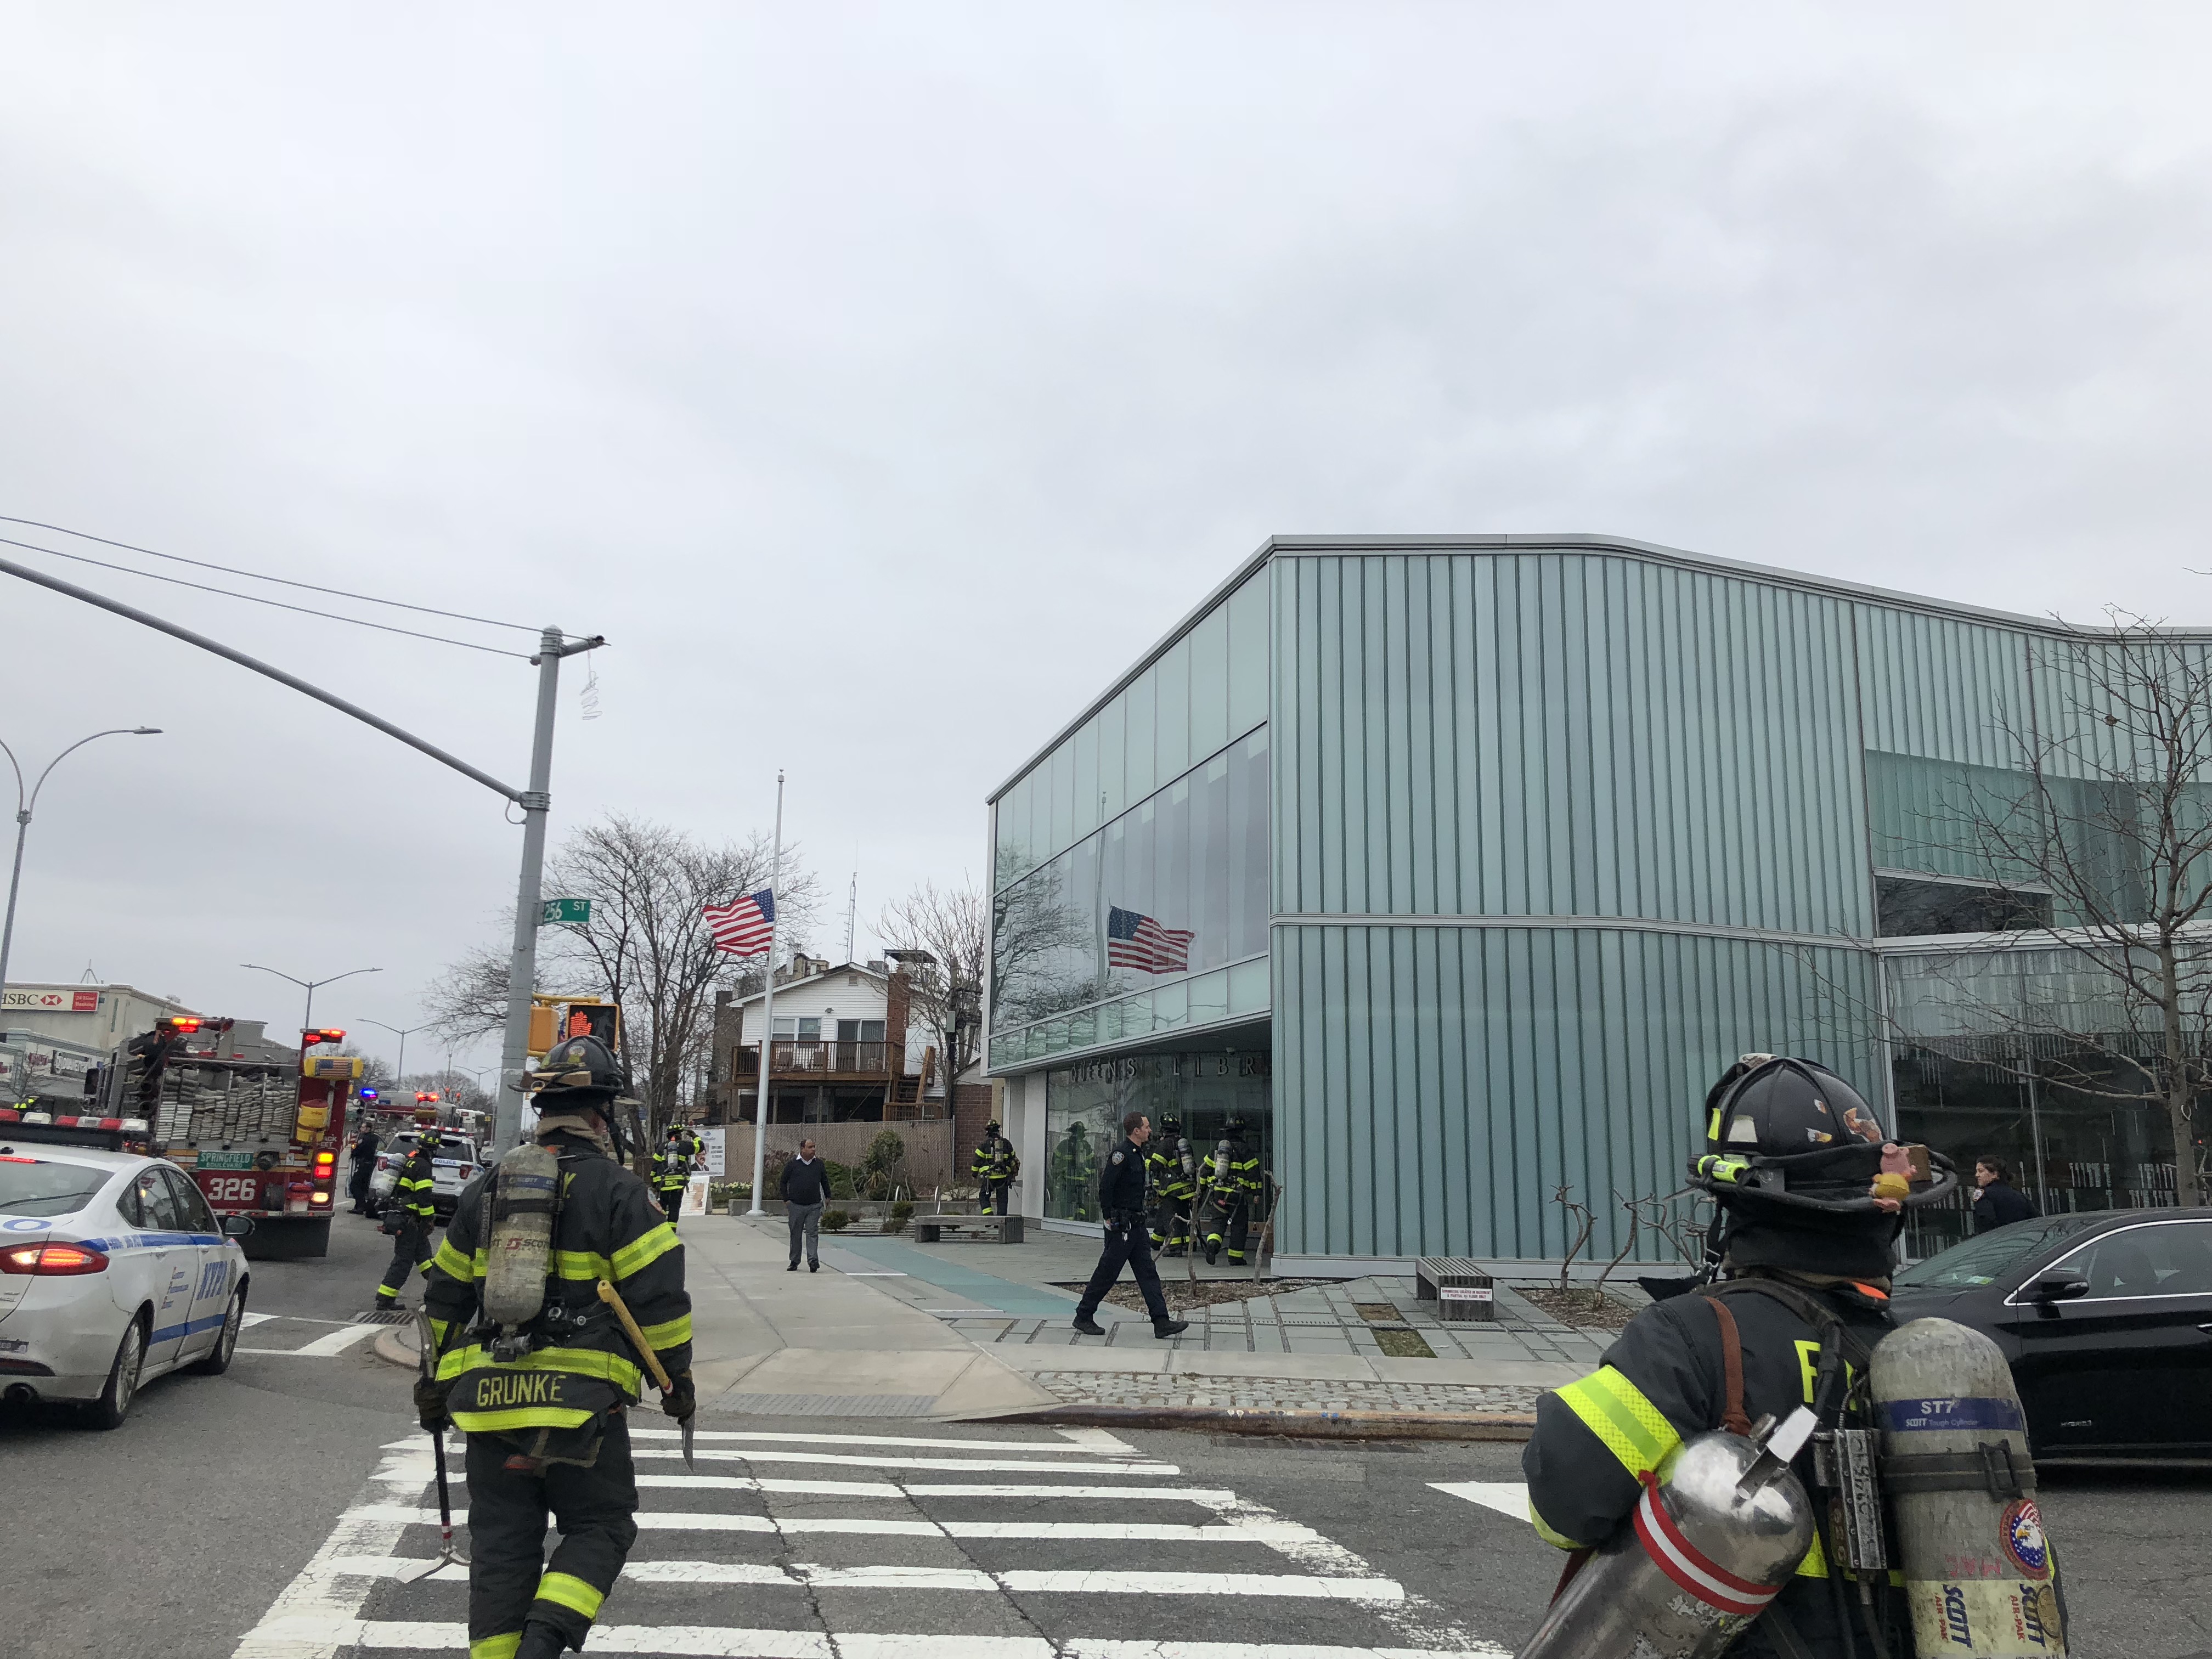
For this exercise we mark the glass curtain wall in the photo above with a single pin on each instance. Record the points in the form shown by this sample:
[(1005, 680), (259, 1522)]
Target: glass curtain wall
[(1178, 883), (2018, 1055), (1085, 1104)]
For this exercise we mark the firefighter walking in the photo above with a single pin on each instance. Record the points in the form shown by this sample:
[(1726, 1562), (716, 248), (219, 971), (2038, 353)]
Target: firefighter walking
[(995, 1167), (1174, 1170), (1803, 1250), (542, 1396), (1233, 1189), (414, 1213), (672, 1169)]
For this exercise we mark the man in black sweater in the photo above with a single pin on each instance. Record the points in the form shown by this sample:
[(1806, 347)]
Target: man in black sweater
[(1996, 1201), (805, 1190), (1122, 1202)]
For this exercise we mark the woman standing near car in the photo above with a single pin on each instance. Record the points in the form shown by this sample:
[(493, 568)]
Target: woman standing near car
[(1996, 1202)]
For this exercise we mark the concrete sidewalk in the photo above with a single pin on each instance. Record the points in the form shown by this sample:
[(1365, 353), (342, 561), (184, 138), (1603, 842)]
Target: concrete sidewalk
[(893, 1328)]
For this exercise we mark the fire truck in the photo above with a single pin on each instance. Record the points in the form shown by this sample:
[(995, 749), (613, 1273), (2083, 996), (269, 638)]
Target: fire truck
[(259, 1138)]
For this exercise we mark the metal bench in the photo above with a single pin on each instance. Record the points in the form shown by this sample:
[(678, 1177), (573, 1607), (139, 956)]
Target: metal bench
[(932, 1229), (1459, 1287)]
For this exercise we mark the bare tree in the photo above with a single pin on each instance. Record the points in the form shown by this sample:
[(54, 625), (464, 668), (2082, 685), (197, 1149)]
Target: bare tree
[(1031, 975), (952, 924), (469, 999), (2099, 846), (646, 948)]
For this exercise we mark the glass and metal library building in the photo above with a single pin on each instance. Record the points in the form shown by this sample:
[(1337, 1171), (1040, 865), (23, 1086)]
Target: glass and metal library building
[(1459, 867)]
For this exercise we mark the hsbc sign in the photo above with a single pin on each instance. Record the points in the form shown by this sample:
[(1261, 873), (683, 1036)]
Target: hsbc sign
[(52, 1002)]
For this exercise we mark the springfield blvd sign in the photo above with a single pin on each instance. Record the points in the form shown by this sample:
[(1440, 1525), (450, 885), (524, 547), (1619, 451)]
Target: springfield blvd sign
[(565, 913), (63, 1002)]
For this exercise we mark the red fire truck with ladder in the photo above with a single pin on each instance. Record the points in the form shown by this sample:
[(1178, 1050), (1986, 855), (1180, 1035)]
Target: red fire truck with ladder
[(260, 1137)]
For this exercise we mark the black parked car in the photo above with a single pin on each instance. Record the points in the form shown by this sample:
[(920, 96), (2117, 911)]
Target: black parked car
[(2105, 1317)]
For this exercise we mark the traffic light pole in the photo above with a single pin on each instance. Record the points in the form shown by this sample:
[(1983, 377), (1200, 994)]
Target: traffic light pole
[(522, 966), (535, 802)]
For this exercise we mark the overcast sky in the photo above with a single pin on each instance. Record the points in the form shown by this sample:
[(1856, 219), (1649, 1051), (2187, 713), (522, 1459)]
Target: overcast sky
[(883, 381)]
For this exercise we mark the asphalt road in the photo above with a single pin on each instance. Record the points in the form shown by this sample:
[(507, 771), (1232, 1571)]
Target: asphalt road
[(220, 1507)]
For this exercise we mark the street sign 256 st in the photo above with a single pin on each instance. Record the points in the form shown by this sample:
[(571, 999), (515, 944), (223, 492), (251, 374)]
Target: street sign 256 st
[(565, 913)]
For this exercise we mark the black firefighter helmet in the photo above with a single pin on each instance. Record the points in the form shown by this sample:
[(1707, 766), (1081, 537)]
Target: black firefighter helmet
[(1791, 1154), (1170, 1125)]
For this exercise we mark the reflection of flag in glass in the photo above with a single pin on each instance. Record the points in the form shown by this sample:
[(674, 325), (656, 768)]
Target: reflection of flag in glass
[(743, 926), (1135, 940)]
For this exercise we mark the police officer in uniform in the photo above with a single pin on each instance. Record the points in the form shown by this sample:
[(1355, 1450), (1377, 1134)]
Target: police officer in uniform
[(412, 1199), (1122, 1202), (672, 1171), (364, 1169), (1810, 1194), (547, 1429), (995, 1167), (1236, 1189), (1174, 1188)]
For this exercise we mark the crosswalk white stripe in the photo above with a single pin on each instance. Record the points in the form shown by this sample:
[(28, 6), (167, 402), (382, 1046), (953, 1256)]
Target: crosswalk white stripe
[(1208, 1496), (816, 1576), (415, 1473), (1508, 1498), (980, 1465), (314, 1598), (711, 1641), (1275, 1534), (705, 1435)]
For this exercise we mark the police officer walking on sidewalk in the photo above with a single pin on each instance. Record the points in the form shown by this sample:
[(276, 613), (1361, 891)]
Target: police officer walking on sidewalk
[(414, 1206), (1122, 1202), (544, 1399), (1811, 1195)]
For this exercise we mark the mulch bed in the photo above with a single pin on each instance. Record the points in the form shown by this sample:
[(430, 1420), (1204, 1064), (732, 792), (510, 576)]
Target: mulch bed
[(1585, 1310)]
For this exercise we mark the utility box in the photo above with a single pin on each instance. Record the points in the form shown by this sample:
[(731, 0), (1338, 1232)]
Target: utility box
[(1461, 1290)]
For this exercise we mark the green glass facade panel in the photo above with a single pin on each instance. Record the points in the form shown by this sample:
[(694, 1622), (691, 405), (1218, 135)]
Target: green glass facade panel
[(1434, 1086), (1565, 735), (1144, 749), (1209, 681), (1944, 688), (1083, 750), (1113, 749), (1171, 709)]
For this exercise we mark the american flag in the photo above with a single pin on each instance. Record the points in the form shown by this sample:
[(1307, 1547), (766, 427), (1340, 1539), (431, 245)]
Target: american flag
[(743, 926), (1135, 940)]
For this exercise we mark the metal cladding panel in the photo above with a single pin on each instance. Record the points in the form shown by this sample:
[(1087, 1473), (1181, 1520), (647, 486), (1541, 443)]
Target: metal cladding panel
[(1942, 688), (1564, 733), (1434, 1085)]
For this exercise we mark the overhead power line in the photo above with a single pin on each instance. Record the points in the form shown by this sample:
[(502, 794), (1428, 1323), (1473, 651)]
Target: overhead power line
[(255, 575), (255, 598)]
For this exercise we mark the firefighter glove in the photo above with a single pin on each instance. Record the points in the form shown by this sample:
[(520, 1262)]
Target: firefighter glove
[(678, 1401), (430, 1403)]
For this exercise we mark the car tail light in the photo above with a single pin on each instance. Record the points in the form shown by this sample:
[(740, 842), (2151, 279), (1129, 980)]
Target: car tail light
[(319, 1198), (53, 1260)]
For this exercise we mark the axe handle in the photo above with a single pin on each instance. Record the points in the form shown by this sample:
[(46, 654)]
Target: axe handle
[(613, 1298)]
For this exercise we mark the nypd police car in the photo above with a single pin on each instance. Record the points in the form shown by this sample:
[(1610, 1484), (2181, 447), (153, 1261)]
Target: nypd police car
[(112, 1269)]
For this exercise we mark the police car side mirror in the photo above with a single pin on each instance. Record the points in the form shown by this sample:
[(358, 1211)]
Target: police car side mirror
[(2055, 1284), (237, 1226)]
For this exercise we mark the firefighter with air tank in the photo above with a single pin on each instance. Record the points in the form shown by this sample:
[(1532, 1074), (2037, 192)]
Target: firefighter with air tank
[(555, 1256), (414, 1210), (1752, 1469), (1173, 1167), (1230, 1188), (995, 1167), (671, 1169)]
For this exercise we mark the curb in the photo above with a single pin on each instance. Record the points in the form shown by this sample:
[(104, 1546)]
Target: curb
[(1302, 1424), (393, 1352)]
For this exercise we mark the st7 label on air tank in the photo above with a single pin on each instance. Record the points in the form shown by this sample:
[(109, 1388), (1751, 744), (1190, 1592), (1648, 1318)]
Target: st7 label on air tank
[(1964, 1412)]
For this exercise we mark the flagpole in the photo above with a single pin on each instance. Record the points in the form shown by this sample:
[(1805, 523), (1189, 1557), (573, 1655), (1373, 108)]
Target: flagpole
[(768, 1007)]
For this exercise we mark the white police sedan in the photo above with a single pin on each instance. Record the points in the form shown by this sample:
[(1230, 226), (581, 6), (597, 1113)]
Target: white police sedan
[(112, 1271)]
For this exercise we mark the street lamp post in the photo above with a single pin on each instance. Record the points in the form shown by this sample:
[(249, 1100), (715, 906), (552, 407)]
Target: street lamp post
[(400, 1071), (26, 805), (307, 1019)]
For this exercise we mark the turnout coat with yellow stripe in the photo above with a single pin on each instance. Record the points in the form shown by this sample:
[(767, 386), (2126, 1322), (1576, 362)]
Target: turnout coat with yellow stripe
[(581, 1362), (1662, 1381)]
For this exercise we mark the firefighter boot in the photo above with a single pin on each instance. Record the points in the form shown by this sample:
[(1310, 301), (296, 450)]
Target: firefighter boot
[(540, 1641)]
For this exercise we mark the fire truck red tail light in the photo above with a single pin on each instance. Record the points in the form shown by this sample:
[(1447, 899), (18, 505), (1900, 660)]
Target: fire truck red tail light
[(319, 1198), (53, 1260)]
